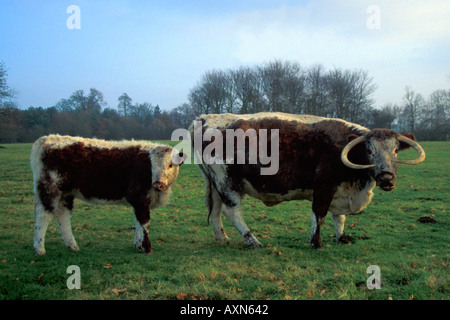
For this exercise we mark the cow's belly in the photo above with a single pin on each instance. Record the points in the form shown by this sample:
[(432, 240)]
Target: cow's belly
[(349, 198), (271, 199), (157, 198), (97, 200)]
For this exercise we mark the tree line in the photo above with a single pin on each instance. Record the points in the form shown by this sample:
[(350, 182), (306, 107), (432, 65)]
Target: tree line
[(282, 86)]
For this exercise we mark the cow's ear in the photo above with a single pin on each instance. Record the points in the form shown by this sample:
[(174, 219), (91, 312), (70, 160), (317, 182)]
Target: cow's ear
[(351, 137), (403, 145)]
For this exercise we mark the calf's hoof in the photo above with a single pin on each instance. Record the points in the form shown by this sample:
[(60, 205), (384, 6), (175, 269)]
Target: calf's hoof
[(141, 248), (39, 252), (73, 247), (316, 244)]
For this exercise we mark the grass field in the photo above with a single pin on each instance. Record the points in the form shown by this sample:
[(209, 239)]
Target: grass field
[(187, 263)]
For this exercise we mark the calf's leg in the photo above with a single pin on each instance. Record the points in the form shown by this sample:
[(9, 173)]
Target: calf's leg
[(141, 207), (62, 214), (42, 219)]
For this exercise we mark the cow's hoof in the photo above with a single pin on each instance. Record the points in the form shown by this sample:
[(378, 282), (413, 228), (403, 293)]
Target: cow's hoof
[(252, 242), (222, 239), (344, 239), (253, 245)]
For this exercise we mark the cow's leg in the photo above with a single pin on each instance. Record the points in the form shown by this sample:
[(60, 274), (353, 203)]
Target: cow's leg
[(232, 210), (42, 218), (142, 219), (316, 222), (138, 235), (339, 223), (215, 217), (322, 197), (62, 214)]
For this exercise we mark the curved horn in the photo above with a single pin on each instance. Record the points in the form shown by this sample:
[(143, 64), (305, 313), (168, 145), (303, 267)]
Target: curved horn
[(416, 147), (346, 150)]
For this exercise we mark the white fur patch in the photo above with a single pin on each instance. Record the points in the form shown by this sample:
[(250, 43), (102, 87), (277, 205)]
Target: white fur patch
[(226, 119), (274, 198), (58, 142), (350, 199)]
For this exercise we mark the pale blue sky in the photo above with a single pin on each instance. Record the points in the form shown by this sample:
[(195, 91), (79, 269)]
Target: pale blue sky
[(157, 50)]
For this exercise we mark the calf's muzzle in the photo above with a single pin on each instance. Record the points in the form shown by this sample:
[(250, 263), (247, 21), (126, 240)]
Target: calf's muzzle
[(159, 186)]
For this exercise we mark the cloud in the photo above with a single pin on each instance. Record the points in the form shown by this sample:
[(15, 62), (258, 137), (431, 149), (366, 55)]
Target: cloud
[(411, 40), (323, 27)]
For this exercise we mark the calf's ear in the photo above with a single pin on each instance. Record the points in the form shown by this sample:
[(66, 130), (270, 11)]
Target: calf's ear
[(403, 145)]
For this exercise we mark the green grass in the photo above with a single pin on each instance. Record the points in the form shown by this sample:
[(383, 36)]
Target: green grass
[(187, 263)]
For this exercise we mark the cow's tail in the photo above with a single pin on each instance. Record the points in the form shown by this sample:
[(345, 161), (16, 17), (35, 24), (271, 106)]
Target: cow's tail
[(209, 187), (36, 160)]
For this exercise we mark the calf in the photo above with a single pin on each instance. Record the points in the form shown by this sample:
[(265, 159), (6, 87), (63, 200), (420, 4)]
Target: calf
[(139, 173)]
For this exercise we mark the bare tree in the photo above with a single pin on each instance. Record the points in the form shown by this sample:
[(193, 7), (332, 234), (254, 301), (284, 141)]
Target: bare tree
[(435, 119), (283, 85), (316, 92), (384, 117), (349, 93), (6, 93), (247, 88), (182, 115), (413, 105), (199, 101)]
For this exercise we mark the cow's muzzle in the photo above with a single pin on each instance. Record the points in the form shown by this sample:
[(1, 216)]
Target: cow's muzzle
[(386, 181), (159, 186)]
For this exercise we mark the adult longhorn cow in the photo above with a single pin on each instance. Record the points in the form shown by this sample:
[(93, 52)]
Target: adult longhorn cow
[(331, 162)]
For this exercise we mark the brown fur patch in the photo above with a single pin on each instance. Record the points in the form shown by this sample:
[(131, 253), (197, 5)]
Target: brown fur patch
[(108, 174), (308, 153)]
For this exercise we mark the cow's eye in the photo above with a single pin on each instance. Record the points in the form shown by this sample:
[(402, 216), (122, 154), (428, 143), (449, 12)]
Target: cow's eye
[(170, 166), (396, 150)]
